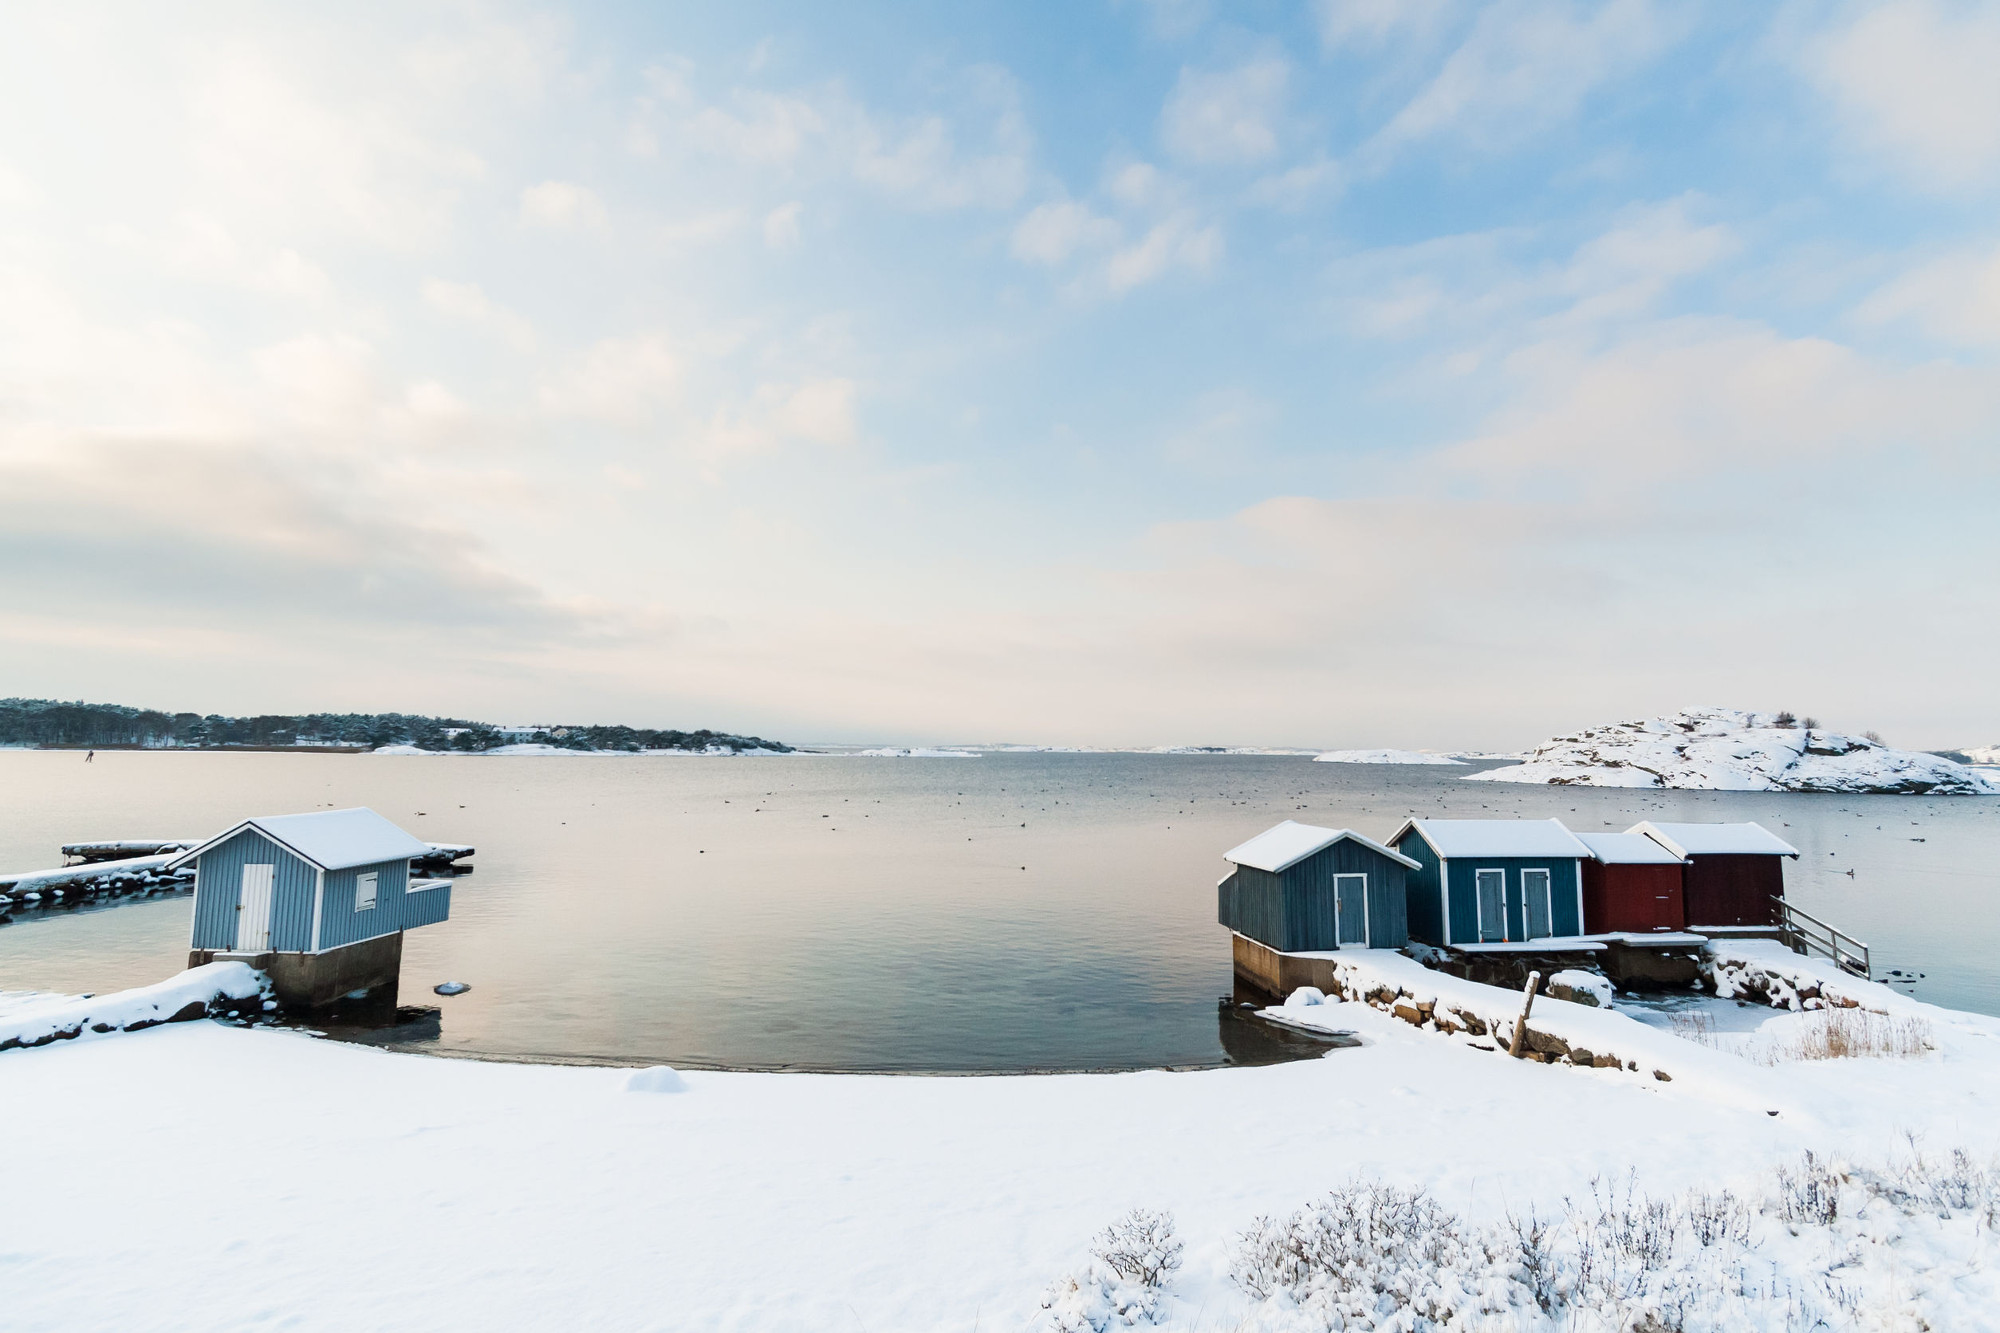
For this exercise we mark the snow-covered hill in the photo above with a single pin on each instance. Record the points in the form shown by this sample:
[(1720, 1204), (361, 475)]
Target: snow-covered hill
[(1983, 754), (1383, 757), (1725, 749)]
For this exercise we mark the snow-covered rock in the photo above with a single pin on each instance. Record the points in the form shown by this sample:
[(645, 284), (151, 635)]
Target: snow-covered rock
[(656, 1078), (1384, 757), (195, 993), (1726, 749)]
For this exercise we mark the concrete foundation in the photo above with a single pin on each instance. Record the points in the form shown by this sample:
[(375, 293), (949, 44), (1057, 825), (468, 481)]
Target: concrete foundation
[(1279, 974), (316, 980)]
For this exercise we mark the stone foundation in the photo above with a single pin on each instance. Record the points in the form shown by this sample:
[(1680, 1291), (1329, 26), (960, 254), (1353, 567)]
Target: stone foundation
[(316, 980)]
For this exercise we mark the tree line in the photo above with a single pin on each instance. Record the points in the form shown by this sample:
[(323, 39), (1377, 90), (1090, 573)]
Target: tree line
[(51, 722)]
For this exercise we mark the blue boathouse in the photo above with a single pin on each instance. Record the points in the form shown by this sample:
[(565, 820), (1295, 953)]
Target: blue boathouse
[(320, 901), (1297, 888), (1492, 881)]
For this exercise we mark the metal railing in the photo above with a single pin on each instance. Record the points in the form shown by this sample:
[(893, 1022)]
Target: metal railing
[(1807, 934)]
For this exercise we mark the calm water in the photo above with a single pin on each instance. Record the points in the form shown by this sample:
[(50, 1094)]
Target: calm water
[(1021, 911)]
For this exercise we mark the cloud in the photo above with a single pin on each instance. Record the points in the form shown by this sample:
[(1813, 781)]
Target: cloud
[(1178, 242), (1529, 64), (466, 303), (1370, 24), (814, 411), (1955, 298), (1916, 88), (781, 226), (561, 206), (616, 381), (1052, 232), (920, 160), (1226, 117)]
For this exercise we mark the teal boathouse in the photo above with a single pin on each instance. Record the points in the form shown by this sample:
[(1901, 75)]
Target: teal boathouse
[(1492, 881)]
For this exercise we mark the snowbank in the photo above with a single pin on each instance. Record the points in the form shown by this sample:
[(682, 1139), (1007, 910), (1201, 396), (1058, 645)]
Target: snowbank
[(195, 993), (1385, 757), (542, 1196), (135, 872), (920, 753), (1721, 749)]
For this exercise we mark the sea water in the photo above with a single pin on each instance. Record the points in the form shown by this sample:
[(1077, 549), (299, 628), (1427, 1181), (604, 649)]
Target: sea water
[(1017, 911)]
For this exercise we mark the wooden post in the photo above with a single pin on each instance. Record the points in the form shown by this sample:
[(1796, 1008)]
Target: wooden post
[(1527, 1007)]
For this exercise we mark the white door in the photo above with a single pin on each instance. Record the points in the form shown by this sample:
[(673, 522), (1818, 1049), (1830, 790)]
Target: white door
[(253, 910)]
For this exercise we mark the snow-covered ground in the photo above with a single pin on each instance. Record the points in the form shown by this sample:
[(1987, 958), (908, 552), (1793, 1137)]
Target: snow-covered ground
[(890, 752), (1722, 749), (1384, 757), (197, 1175)]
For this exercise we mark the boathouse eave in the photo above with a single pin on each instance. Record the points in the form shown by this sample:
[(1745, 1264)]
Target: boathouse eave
[(250, 825), (1676, 839), (1310, 847)]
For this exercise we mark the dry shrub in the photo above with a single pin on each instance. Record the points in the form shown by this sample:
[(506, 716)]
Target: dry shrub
[(1847, 1034)]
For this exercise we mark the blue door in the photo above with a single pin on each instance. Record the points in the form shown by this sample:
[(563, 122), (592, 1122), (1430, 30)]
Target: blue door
[(1351, 891)]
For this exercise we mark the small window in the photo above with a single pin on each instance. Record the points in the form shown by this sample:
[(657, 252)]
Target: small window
[(364, 891)]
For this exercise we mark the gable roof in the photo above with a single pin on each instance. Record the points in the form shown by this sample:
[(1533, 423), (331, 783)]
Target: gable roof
[(1289, 843), (1452, 838), (1627, 849), (329, 839), (1716, 839)]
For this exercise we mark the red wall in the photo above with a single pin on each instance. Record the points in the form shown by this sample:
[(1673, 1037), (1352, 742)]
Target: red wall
[(1637, 898), (1734, 890)]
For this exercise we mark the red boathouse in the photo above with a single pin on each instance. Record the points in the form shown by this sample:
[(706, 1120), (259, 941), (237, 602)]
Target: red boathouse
[(1734, 873), (1630, 883)]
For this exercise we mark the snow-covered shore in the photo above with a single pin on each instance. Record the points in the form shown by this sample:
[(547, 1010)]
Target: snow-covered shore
[(495, 1196), (1385, 757), (1724, 749)]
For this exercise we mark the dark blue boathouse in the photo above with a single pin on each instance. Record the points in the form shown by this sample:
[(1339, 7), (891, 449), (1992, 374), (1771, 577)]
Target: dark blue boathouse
[(1297, 888), (1492, 881)]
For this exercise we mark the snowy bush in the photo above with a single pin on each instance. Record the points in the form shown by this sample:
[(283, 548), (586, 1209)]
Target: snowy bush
[(1132, 1261), (1820, 1250)]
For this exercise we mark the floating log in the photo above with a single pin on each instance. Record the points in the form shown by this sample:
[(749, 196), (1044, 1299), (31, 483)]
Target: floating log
[(121, 849)]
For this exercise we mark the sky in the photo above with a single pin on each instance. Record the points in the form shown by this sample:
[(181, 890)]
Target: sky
[(1115, 372)]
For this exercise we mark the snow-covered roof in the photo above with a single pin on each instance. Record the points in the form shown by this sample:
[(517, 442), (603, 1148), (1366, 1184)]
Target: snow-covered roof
[(1495, 837), (330, 839), (1716, 839), (1292, 842), (1627, 849)]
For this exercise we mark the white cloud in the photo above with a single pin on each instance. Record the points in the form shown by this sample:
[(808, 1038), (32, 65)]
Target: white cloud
[(1918, 85), (468, 304), (919, 159), (1955, 298), (813, 411), (1178, 242), (781, 225), (1529, 64), (1052, 232), (1367, 24), (616, 381), (323, 381), (1226, 117), (560, 205)]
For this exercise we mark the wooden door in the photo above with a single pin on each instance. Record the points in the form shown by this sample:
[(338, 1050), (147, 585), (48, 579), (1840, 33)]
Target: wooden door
[(253, 910), (1351, 899)]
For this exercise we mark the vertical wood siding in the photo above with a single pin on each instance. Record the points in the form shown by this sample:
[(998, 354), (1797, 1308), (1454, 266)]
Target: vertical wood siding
[(1424, 903), (426, 907), (340, 924), (1734, 890), (219, 878), (1296, 911), (1465, 903)]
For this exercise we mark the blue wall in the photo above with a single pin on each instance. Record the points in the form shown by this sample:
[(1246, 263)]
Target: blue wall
[(340, 924), (1425, 902), (1563, 919), (219, 877), (219, 880), (1294, 912)]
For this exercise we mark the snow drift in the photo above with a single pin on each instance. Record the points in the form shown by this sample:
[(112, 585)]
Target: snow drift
[(196, 993), (1726, 749)]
